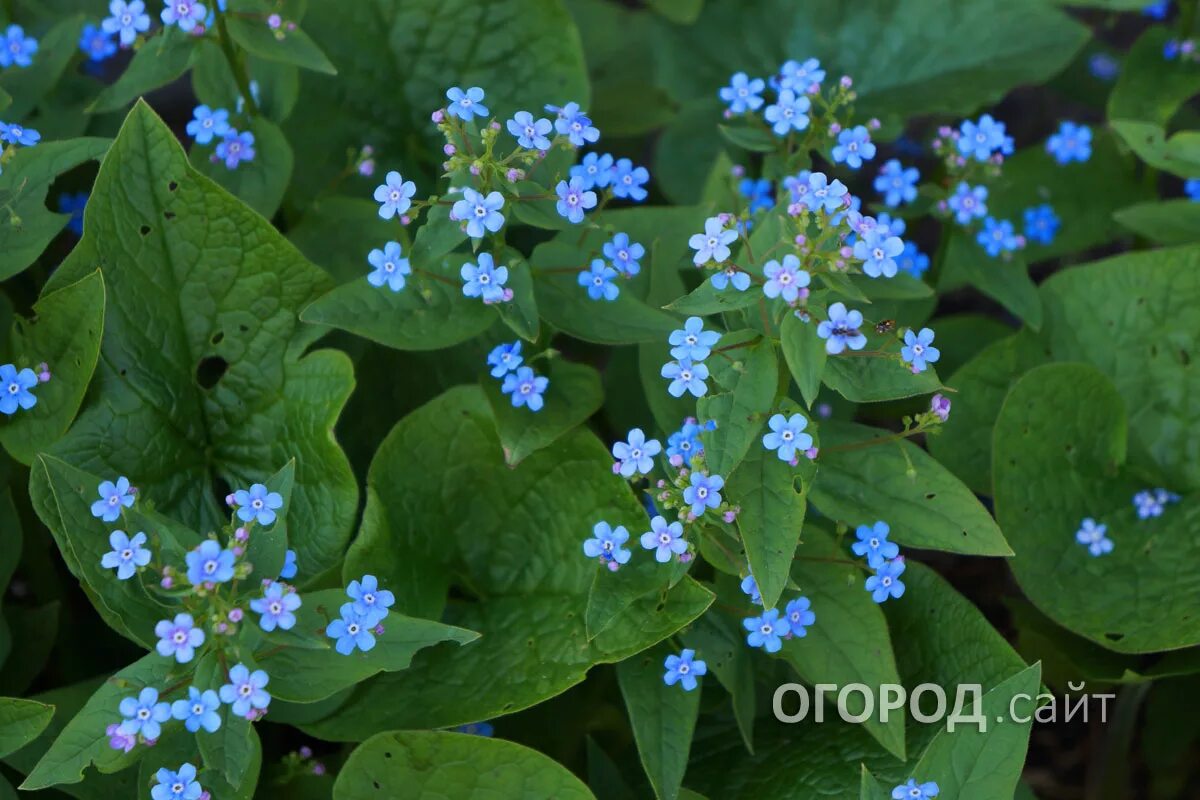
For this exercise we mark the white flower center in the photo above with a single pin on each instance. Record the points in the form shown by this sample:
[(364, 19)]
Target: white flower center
[(352, 629), (874, 542), (480, 211), (143, 713), (275, 607), (180, 636), (702, 493), (664, 538), (126, 20), (683, 669), (918, 349), (877, 253), (197, 710), (886, 582), (245, 690), (766, 629), (787, 436), (369, 599), (210, 567), (389, 266), (126, 554)]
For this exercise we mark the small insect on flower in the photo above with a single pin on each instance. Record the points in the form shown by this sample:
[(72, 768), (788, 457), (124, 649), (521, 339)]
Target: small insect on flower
[(351, 631), (785, 279), (179, 637), (246, 690), (127, 19), (1071, 142), (113, 497), (685, 376), (703, 493), (394, 195), (180, 784), (799, 617), (466, 105), (914, 791), (235, 148), (607, 544), (841, 330), (485, 280), (897, 184), (873, 544), (636, 455), (713, 244), (504, 358), (683, 669), (526, 388), (664, 539), (143, 714), (886, 583), (743, 93), (277, 607), (918, 350), (766, 630), (885, 326), (1093, 536), (599, 281), (573, 200), (198, 711), (257, 504), (787, 436)]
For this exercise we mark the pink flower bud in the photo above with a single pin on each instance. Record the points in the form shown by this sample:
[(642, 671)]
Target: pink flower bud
[(230, 500), (616, 467), (495, 125), (274, 22), (306, 751), (475, 169), (814, 88), (835, 129), (729, 516), (939, 404), (846, 81), (167, 582), (515, 175), (241, 534), (238, 551), (795, 209), (812, 453), (846, 251), (737, 170), (367, 168), (874, 124), (439, 116), (236, 614), (800, 240), (675, 460), (613, 566)]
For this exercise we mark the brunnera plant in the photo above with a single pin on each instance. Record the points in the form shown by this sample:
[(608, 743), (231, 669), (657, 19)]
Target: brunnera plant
[(418, 398)]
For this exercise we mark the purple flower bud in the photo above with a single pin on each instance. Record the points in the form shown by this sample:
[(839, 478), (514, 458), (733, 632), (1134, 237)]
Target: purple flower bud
[(241, 534), (846, 81), (685, 557), (800, 240), (238, 551), (438, 116), (367, 168), (795, 209), (378, 630), (814, 88), (449, 149), (475, 169), (834, 129), (43, 372), (495, 125), (118, 740), (812, 453), (167, 582), (936, 144), (508, 294), (318, 768), (824, 411), (675, 460), (222, 627), (874, 123), (236, 614), (727, 114), (613, 566), (274, 22), (945, 130), (305, 751), (737, 170), (803, 293), (729, 516), (939, 404), (514, 175)]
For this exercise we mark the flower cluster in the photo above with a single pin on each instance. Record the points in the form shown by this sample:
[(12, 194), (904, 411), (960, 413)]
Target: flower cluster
[(884, 557), (690, 346), (523, 386), (233, 148), (1151, 503), (769, 629), (362, 618), (16, 386), (623, 260)]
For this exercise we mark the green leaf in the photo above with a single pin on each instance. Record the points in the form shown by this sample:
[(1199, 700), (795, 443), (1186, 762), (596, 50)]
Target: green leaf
[(21, 721), (614, 593), (861, 481), (871, 788), (1166, 222), (159, 61), (1150, 87), (293, 47), (873, 379), (458, 765), (1004, 280), (751, 376), (11, 544), (1180, 154), (756, 140), (663, 719), (521, 313), (572, 396), (65, 333), (339, 232), (203, 375), (962, 336), (28, 86), (5, 100), (706, 299), (720, 643), (805, 355), (260, 183)]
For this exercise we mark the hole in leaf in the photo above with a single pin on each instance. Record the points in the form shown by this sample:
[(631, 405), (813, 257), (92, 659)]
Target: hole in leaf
[(1185, 357), (387, 754), (930, 495), (242, 328), (172, 186), (1114, 637), (169, 215), (145, 230), (217, 337), (210, 370)]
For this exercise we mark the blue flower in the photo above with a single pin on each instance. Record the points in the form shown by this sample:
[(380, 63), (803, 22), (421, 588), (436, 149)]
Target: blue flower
[(918, 350), (277, 607), (743, 93), (913, 791), (888, 226), (479, 212), (526, 388), (785, 279), (731, 274), (607, 543), (575, 125), (873, 544), (750, 589), (968, 203), (665, 540), (73, 204), (692, 341), (624, 254), (504, 358), (628, 180), (685, 376), (127, 553), (713, 244), (798, 617), (96, 44), (594, 171), (1103, 66), (897, 184), (818, 194), (573, 200), (207, 123), (1071, 143), (351, 631), (370, 602), (466, 105), (289, 565), (703, 493), (854, 147), (530, 132), (1093, 536), (758, 193), (209, 563), (1041, 224), (841, 330), (1151, 503), (636, 455), (912, 261), (390, 268), (598, 280), (235, 148), (886, 581), (16, 48), (19, 134), (1191, 187), (766, 630), (126, 18), (788, 113), (394, 196), (198, 711), (476, 729), (246, 690), (684, 443), (1157, 9), (14, 393), (800, 77), (683, 669), (787, 436), (877, 249), (143, 714), (113, 496), (980, 139), (997, 237), (178, 785), (187, 14), (485, 279), (257, 504)]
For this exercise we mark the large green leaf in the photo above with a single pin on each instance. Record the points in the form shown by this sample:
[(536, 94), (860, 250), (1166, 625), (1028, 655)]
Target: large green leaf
[(740, 395), (160, 60), (202, 384), (1005, 280), (29, 86), (1165, 222), (1178, 154), (20, 722), (1151, 88), (871, 379), (719, 641), (805, 355), (663, 719), (229, 749)]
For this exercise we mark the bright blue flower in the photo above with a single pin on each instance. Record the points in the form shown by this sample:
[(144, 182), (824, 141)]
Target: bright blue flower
[(351, 631), (628, 181), (209, 563), (841, 330), (787, 436), (1157, 9), (479, 212), (143, 714), (594, 170), (289, 565), (683, 669), (821, 195), (873, 544), (758, 193), (476, 729), (665, 540), (198, 711), (607, 543), (636, 454), (785, 279), (466, 105), (96, 44), (598, 280), (126, 18), (997, 236), (127, 553), (886, 581), (913, 791), (685, 376), (573, 200), (980, 139), (187, 14), (370, 602), (1041, 224), (1071, 143), (850, 211), (530, 132), (766, 630), (207, 123), (575, 125), (897, 184), (800, 77), (731, 274), (394, 196), (799, 617), (14, 391), (390, 268), (1191, 187), (19, 134), (888, 226), (505, 358), (750, 589), (113, 496), (797, 185), (743, 93), (854, 147), (277, 607), (918, 350), (1093, 536), (179, 637), (1171, 49), (624, 254), (968, 203), (912, 261), (16, 48), (788, 113), (235, 148), (484, 279), (877, 249), (1152, 502), (257, 504), (526, 388), (703, 493), (692, 341), (713, 244), (178, 785), (73, 204), (1103, 66), (246, 690), (684, 443)]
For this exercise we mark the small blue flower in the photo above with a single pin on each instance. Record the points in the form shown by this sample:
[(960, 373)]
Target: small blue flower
[(1153, 502), (692, 341), (918, 350), (787, 436), (573, 200), (16, 48), (886, 583), (277, 607), (785, 279), (758, 193), (913, 791), (19, 134), (788, 113), (505, 358), (628, 181), (179, 637), (113, 496), (1093, 536), (636, 454), (257, 504), (126, 18), (854, 147), (766, 630), (896, 183), (370, 602), (289, 565), (1191, 187), (665, 540), (800, 77), (96, 43), (878, 249), (1071, 143), (246, 690), (968, 203), (888, 226), (750, 589), (177, 785), (598, 280), (187, 14), (476, 729), (683, 669), (980, 139), (684, 443), (799, 617), (607, 543), (575, 125), (390, 269), (1041, 224), (624, 254), (841, 330), (1104, 66), (209, 563), (198, 711), (479, 212), (1157, 9), (73, 204), (14, 393), (351, 631), (731, 275), (912, 261), (713, 244), (127, 553), (594, 170), (144, 715), (530, 132), (208, 123), (526, 388), (998, 237), (703, 493), (484, 279), (685, 376), (466, 105), (235, 148), (743, 93), (873, 544), (818, 194), (394, 196)]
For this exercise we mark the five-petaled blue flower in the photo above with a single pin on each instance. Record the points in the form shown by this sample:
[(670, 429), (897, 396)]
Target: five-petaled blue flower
[(530, 132), (841, 330), (1157, 9), (479, 212), (912, 261), (1041, 224), (574, 124), (370, 602), (198, 711), (636, 454), (743, 93), (703, 493), (16, 48), (886, 581), (787, 436), (664, 539), (1093, 535), (484, 280), (1191, 187), (257, 504), (623, 254), (96, 43), (526, 388), (1152, 502), (207, 123), (918, 350), (235, 148), (607, 543), (351, 631), (573, 200), (209, 563), (873, 544), (598, 280), (73, 203), (466, 105), (713, 244), (143, 714), (505, 358), (277, 607), (390, 269), (628, 181), (788, 113), (19, 134), (126, 18), (758, 193), (766, 630), (980, 139), (179, 637), (127, 553), (1103, 66), (692, 341), (685, 443), (180, 784), (14, 394), (594, 170), (246, 690), (800, 76), (683, 669), (1072, 142), (799, 617), (968, 203), (685, 376), (854, 147), (187, 14), (914, 791), (731, 275), (897, 184), (113, 497), (289, 565), (819, 194), (998, 236), (394, 196), (785, 279), (750, 589)]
